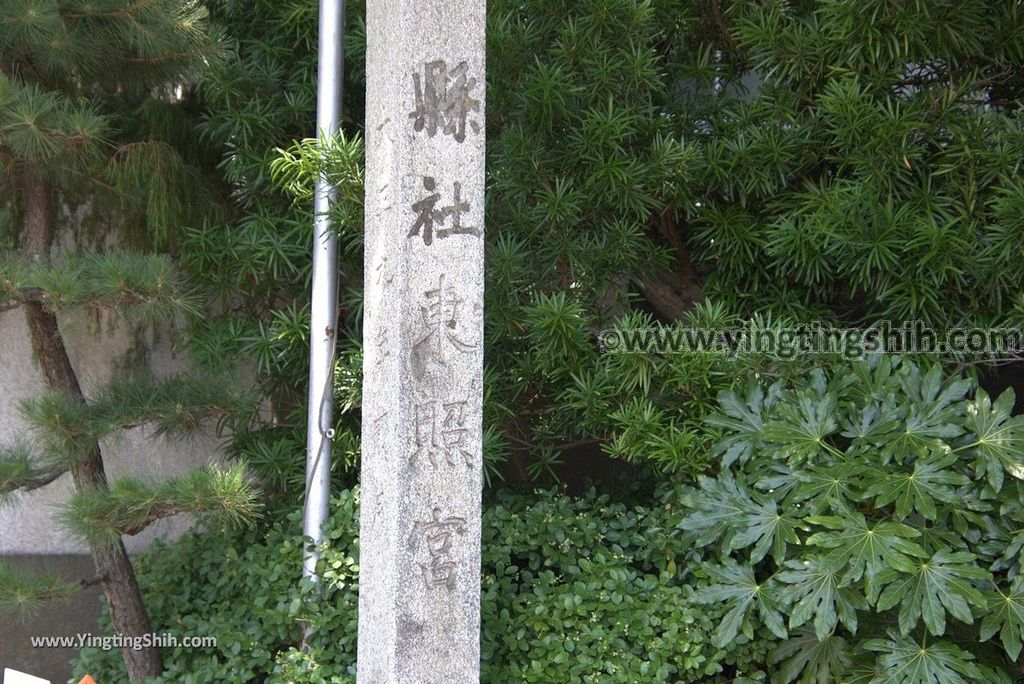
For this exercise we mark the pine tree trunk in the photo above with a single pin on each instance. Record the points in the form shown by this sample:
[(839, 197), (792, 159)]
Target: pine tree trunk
[(113, 566)]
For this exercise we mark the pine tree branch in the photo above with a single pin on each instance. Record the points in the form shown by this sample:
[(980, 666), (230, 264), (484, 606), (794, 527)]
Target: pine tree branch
[(143, 285), (176, 407), (130, 505), (88, 474), (22, 592), (64, 433), (22, 470), (68, 430)]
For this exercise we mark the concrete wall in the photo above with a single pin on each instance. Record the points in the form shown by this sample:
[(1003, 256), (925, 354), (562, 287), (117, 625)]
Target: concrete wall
[(98, 348)]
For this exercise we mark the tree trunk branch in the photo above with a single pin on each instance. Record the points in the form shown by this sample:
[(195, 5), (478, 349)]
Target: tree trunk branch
[(673, 293), (719, 18), (120, 586)]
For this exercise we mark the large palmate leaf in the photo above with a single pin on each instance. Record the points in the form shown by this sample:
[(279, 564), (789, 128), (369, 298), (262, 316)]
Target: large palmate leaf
[(873, 380), (742, 421), (865, 549), (931, 481), (737, 587), (903, 660), (1006, 616), (799, 432), (872, 427), (939, 585), (997, 439), (806, 659), (863, 671), (1005, 534), (834, 486), (766, 528), (929, 393), (817, 592), (717, 503), (930, 420), (724, 508)]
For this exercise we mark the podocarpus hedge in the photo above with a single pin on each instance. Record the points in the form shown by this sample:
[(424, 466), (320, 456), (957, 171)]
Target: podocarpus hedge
[(581, 590)]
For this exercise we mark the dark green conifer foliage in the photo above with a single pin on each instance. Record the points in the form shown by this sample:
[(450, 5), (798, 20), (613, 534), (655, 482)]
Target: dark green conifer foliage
[(90, 120), (583, 171), (707, 161), (257, 261), (777, 161), (872, 170)]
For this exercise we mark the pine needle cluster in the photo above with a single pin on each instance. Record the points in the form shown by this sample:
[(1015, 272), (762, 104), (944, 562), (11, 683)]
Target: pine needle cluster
[(861, 161), (22, 592), (146, 287), (73, 69), (65, 431), (225, 495), (778, 162), (261, 105)]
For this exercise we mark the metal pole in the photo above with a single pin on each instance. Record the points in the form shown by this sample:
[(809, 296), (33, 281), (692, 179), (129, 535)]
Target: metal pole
[(324, 299)]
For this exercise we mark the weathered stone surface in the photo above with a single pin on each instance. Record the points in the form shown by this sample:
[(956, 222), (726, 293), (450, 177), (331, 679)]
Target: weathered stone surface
[(419, 603)]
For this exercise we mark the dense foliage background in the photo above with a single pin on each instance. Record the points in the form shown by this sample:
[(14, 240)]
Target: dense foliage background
[(771, 155), (583, 590), (715, 163)]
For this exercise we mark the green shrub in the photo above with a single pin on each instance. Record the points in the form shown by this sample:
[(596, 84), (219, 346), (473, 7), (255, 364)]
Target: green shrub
[(243, 588), (587, 590), (591, 166), (581, 590), (872, 517)]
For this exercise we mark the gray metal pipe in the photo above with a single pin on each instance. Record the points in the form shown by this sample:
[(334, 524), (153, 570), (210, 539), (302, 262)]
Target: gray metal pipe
[(324, 296)]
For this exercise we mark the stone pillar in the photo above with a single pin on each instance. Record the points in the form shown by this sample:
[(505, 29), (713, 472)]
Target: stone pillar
[(422, 469)]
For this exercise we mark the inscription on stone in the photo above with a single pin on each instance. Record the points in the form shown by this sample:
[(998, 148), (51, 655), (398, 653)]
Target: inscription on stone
[(441, 311), (440, 431), (444, 101), (423, 343), (383, 276), (383, 345), (428, 214), (436, 536)]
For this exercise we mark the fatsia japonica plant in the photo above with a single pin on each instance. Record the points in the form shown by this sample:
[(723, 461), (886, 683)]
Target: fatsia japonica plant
[(871, 518)]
